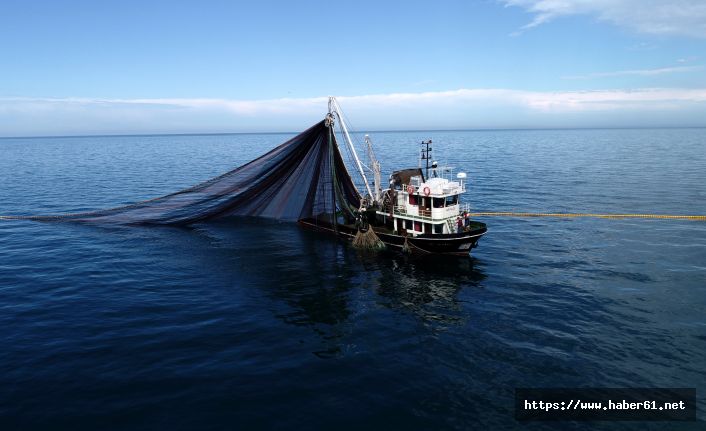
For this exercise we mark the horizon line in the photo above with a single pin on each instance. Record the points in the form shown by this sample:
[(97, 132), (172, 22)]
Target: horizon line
[(492, 129)]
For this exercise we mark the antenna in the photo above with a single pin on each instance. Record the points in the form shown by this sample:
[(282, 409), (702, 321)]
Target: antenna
[(426, 155)]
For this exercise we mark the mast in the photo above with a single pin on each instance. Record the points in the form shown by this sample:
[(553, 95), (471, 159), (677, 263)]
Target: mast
[(375, 167), (333, 106), (425, 156), (331, 139)]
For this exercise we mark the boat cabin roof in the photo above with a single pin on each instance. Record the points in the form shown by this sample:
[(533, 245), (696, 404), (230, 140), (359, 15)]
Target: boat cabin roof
[(441, 182), (438, 187)]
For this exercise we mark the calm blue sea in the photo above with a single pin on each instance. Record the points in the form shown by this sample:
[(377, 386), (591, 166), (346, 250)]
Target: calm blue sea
[(263, 325)]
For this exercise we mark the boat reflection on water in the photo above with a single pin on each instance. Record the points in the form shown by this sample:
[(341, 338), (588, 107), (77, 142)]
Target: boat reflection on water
[(427, 287), (297, 287), (330, 287)]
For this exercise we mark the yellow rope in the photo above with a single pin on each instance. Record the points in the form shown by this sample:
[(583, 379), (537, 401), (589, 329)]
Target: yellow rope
[(651, 216)]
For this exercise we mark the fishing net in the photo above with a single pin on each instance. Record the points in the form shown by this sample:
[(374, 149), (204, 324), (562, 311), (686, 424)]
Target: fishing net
[(368, 240), (303, 178)]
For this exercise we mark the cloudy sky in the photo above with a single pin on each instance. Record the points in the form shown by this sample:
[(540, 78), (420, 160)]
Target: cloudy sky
[(122, 67)]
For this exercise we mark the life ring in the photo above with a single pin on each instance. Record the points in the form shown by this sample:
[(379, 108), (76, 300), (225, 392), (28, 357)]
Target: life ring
[(427, 191), (410, 189)]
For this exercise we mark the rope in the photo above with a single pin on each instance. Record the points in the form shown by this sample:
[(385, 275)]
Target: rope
[(567, 215)]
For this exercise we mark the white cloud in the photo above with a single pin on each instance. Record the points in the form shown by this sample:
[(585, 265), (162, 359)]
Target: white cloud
[(612, 100), (668, 17), (639, 72), (463, 108), (558, 102)]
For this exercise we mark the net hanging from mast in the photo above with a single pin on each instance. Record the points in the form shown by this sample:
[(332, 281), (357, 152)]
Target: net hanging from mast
[(303, 178)]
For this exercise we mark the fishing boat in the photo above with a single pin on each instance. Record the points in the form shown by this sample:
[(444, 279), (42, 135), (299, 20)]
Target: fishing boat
[(420, 211), (306, 179)]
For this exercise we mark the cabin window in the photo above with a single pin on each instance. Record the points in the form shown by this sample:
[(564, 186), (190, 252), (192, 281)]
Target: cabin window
[(418, 226), (451, 200), (412, 200), (408, 224), (438, 202), (438, 228)]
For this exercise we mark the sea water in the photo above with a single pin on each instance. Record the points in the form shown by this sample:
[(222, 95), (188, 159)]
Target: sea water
[(243, 324)]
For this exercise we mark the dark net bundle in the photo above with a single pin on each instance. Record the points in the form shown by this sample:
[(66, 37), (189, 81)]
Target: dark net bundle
[(303, 178)]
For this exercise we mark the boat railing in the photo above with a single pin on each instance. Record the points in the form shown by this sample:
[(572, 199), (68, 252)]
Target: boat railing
[(423, 214), (459, 186), (426, 214), (403, 212)]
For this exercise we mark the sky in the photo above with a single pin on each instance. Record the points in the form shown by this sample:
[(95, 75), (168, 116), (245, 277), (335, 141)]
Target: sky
[(127, 67)]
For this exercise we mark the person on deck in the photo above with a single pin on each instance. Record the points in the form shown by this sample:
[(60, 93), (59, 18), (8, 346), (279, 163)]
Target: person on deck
[(466, 219), (459, 225)]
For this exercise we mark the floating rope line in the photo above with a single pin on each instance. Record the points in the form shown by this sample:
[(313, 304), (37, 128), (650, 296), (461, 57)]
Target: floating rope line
[(567, 215)]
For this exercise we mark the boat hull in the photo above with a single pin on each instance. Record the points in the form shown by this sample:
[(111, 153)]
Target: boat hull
[(458, 244)]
